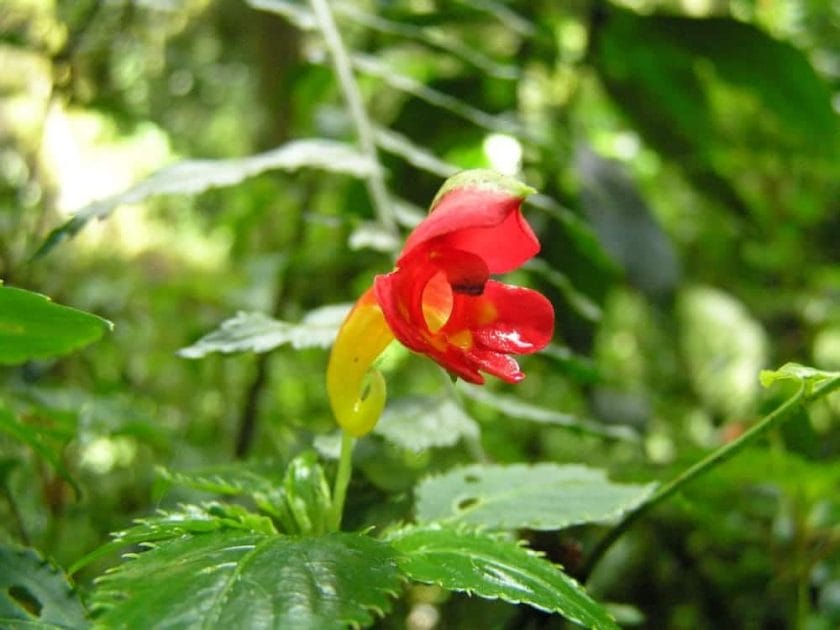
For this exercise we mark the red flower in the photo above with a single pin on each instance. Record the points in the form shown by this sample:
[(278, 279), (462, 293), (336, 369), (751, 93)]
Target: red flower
[(440, 300)]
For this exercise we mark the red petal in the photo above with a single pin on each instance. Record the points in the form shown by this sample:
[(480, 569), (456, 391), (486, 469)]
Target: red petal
[(481, 221), (505, 318), (502, 366)]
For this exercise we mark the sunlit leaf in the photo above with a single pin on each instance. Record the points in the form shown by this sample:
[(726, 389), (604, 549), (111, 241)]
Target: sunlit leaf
[(539, 496), (256, 332), (191, 177), (419, 423), (33, 327), (812, 377), (235, 579), (34, 593), (494, 568)]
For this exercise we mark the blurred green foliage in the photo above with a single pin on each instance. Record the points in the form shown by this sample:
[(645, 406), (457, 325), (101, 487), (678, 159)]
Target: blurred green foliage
[(687, 153)]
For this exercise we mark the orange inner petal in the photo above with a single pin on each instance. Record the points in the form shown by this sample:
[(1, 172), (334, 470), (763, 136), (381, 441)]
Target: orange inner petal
[(437, 302)]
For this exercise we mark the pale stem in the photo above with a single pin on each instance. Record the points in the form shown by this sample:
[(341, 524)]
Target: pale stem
[(352, 96), (342, 479)]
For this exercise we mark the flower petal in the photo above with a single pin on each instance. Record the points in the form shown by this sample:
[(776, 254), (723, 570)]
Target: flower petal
[(482, 221), (506, 318)]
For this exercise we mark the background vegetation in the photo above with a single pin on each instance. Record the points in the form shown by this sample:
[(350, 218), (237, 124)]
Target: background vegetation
[(687, 156)]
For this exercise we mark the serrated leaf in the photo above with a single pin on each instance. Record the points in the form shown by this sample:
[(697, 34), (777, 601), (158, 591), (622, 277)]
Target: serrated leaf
[(256, 332), (34, 327), (230, 579), (540, 496), (35, 593), (306, 506), (516, 408), (422, 422), (494, 568), (188, 519), (191, 177)]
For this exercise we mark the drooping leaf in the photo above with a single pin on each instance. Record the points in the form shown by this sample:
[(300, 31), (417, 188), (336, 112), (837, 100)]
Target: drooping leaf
[(494, 568), (419, 423), (38, 441), (517, 408), (374, 67), (235, 579), (256, 332), (191, 177), (34, 327), (540, 496), (34, 593), (435, 38)]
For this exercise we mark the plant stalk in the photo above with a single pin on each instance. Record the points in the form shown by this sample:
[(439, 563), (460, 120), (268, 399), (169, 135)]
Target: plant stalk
[(711, 461), (342, 479), (353, 97)]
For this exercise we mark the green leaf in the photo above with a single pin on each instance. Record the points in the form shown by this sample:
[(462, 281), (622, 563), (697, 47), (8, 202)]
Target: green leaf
[(231, 579), (33, 327), (191, 177), (255, 332), (422, 422), (188, 519), (34, 593), (307, 500), (812, 377), (494, 568), (239, 479), (516, 408), (542, 496)]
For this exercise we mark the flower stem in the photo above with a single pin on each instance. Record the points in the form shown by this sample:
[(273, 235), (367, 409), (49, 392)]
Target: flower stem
[(342, 479), (700, 468), (364, 129)]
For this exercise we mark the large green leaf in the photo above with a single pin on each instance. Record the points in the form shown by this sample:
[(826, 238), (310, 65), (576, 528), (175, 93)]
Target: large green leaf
[(255, 332), (36, 594), (494, 568), (236, 579), (541, 496), (33, 327), (423, 422), (191, 177)]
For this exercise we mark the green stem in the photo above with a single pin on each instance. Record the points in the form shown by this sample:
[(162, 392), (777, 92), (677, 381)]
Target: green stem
[(353, 97), (342, 479), (700, 468)]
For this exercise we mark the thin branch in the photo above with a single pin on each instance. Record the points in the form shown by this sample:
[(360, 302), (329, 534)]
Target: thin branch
[(364, 129), (700, 468)]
